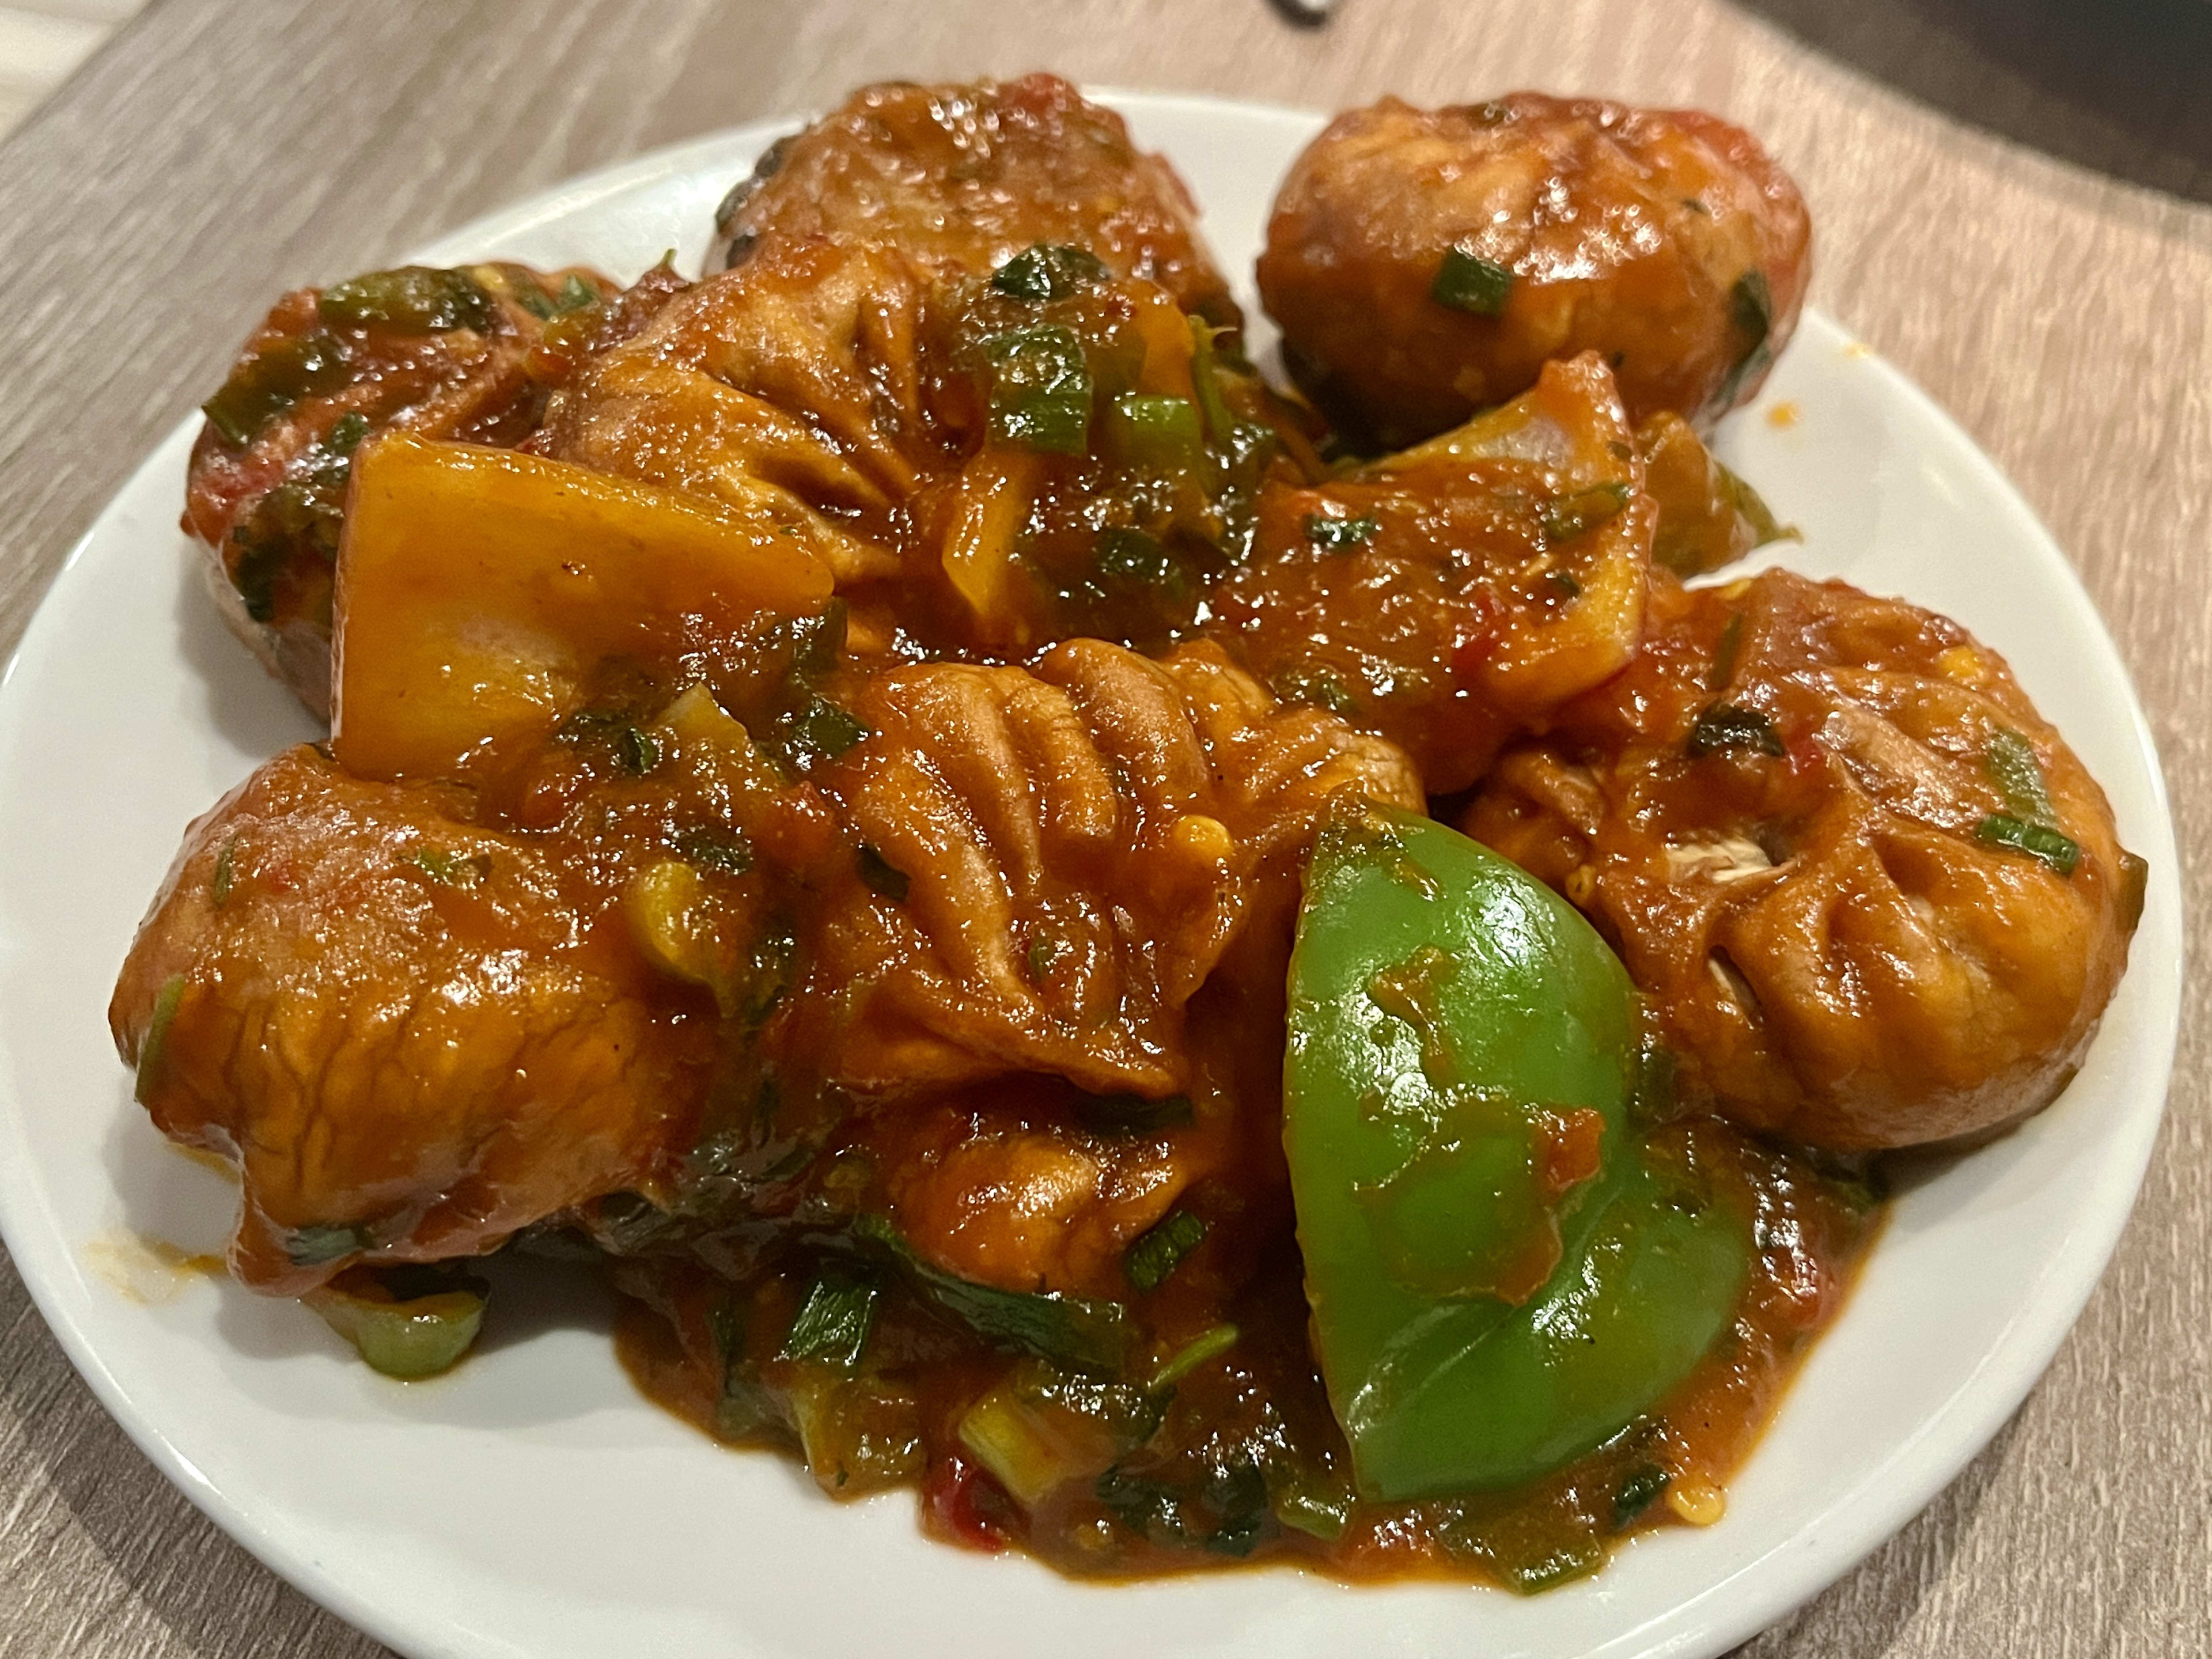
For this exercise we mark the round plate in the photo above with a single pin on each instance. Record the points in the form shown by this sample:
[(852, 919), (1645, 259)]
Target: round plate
[(533, 1503)]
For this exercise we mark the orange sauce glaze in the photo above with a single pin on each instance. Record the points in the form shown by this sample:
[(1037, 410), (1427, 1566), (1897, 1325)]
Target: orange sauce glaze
[(1172, 1504)]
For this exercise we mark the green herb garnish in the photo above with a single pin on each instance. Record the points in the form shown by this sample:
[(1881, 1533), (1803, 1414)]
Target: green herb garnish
[(1315, 687), (1569, 518), (1638, 1489), (1131, 556), (156, 1040), (1339, 535), (1207, 1344), (1467, 281), (1151, 1258), (270, 381), (833, 1321), (2012, 766), (1159, 431), (1725, 725), (1048, 271), (1073, 1330), (413, 299), (727, 850), (311, 1247), (453, 869), (1041, 389), (2038, 840)]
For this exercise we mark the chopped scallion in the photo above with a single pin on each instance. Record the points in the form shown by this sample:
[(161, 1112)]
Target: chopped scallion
[(1041, 389), (833, 1321), (2054, 847), (413, 299), (1570, 516), (1148, 1261), (1048, 271), (2018, 776), (156, 1040), (1725, 725), (727, 850), (1339, 535), (1467, 281), (1208, 1344), (1131, 556)]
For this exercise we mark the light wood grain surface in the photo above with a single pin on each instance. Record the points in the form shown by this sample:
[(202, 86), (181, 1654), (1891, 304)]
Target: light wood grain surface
[(217, 151)]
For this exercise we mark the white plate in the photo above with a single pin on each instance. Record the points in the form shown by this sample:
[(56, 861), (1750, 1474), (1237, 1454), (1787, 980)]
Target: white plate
[(533, 1504)]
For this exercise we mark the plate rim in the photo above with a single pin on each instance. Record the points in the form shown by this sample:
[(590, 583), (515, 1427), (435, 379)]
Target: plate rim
[(1940, 1444)]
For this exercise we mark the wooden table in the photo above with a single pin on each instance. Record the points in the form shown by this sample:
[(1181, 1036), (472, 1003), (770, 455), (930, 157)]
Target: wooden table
[(218, 151)]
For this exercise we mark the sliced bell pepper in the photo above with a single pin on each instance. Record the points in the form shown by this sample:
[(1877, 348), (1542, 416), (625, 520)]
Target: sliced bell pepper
[(1500, 1277)]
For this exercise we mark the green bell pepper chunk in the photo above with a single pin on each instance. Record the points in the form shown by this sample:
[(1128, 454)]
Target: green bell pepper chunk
[(1500, 1278)]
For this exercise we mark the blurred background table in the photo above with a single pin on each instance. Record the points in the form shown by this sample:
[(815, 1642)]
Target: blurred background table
[(2011, 201)]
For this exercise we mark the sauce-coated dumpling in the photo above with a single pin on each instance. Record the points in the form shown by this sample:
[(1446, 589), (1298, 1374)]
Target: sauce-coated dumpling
[(964, 177), (1424, 264), (1873, 899)]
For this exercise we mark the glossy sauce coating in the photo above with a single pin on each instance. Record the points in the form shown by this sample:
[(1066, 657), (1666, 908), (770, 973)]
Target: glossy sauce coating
[(1239, 1460), (1666, 241), (1806, 816), (468, 355), (964, 177)]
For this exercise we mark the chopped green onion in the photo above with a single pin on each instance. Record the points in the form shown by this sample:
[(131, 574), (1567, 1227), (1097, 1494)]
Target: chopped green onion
[(1751, 306), (743, 1406), (1315, 1502), (1339, 535), (573, 295), (1562, 583), (453, 869), (1638, 1489), (413, 299), (1007, 1437), (156, 1040), (1150, 1259), (637, 750), (1044, 951), (1160, 431), (1467, 281), (1131, 555), (1751, 310), (1204, 377), (1074, 1330), (2018, 776), (1725, 725), (270, 381), (407, 1338), (833, 1323), (727, 850), (314, 1246), (1041, 389), (1132, 1114), (1751, 506), (2054, 847), (345, 434), (880, 873), (1048, 271), (1571, 516), (1315, 687), (219, 888), (1207, 1344), (818, 731)]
